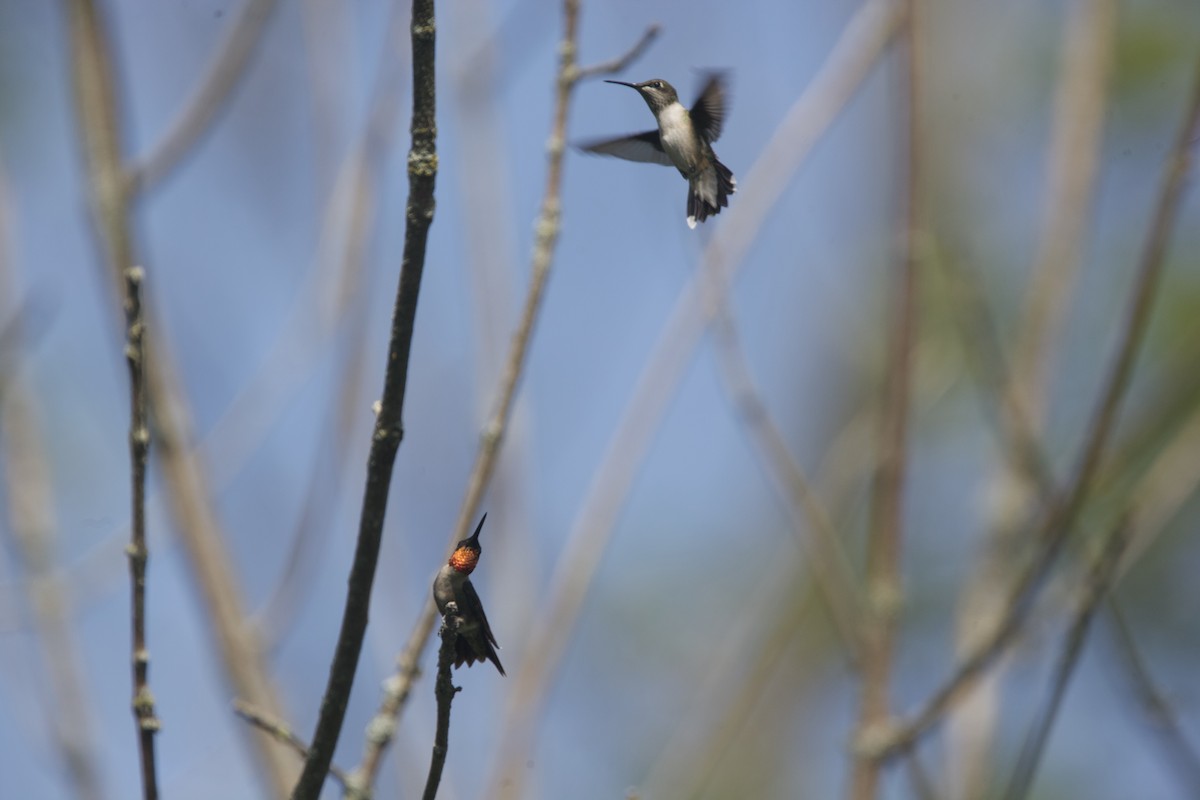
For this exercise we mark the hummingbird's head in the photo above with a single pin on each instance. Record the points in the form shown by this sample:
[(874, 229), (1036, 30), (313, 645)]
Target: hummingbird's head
[(466, 553), (657, 93)]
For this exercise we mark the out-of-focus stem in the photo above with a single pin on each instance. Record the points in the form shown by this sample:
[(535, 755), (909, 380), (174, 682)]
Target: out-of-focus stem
[(187, 484), (886, 524)]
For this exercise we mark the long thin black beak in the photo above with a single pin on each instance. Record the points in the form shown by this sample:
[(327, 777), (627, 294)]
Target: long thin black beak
[(475, 535), (623, 83)]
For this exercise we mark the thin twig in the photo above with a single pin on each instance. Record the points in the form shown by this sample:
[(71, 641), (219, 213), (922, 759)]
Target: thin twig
[(444, 689), (851, 61), (617, 64), (1179, 752), (148, 723), (811, 520), (1088, 41), (547, 227), (1011, 423), (1097, 585), (208, 98), (1054, 531), (767, 627), (189, 492), (281, 732), (919, 778), (25, 472), (884, 590), (1164, 487), (389, 429), (30, 506)]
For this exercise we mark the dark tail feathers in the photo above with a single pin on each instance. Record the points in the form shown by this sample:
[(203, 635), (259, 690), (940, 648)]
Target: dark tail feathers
[(699, 209)]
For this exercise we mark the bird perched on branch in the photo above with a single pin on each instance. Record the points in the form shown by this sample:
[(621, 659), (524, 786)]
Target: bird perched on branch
[(475, 641), (683, 140)]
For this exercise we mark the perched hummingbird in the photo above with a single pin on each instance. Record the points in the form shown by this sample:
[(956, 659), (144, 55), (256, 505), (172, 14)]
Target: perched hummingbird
[(683, 140), (475, 642)]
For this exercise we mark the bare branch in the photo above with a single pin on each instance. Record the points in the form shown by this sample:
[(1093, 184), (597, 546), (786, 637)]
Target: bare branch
[(1057, 524), (767, 627), (811, 520), (1088, 42), (281, 732), (189, 493), (444, 690), (389, 430), (852, 59), (25, 472), (1179, 752), (617, 64), (208, 99), (1096, 587), (139, 448), (1089, 38), (546, 230), (884, 579)]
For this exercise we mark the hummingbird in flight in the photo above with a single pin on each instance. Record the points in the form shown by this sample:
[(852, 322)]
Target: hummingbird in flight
[(475, 641), (683, 140)]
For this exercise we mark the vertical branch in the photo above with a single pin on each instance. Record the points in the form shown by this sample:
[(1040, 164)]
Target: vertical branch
[(444, 690), (389, 429), (884, 542), (852, 58), (546, 229), (190, 496), (1145, 290), (25, 474), (1053, 531), (139, 448), (1088, 42), (811, 520), (546, 232)]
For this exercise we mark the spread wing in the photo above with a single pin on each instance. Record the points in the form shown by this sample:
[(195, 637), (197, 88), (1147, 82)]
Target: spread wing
[(644, 147), (708, 113)]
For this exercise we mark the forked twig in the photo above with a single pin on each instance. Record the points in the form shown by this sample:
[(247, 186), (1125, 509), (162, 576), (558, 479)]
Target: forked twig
[(281, 732)]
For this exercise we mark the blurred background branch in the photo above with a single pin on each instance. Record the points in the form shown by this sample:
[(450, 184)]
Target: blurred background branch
[(208, 98), (97, 114), (678, 574), (884, 576)]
